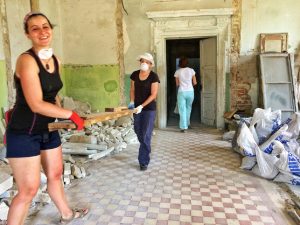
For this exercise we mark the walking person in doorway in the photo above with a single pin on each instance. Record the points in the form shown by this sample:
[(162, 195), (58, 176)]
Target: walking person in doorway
[(30, 146), (143, 93), (185, 80)]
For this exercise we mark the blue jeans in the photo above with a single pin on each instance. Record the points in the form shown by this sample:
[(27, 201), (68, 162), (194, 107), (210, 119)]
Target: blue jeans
[(185, 101), (143, 127)]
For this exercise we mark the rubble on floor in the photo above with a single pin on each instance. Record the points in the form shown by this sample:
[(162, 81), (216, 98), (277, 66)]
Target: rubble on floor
[(270, 149), (79, 147)]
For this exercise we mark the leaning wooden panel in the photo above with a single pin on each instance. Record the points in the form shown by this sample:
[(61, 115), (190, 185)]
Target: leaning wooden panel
[(277, 83)]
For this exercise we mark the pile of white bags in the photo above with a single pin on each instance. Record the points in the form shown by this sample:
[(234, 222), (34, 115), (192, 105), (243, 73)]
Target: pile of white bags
[(270, 147)]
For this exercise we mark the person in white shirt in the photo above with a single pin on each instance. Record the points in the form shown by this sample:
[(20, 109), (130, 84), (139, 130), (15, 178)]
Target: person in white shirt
[(185, 80)]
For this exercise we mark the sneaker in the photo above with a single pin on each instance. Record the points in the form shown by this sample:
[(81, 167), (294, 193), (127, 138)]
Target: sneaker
[(143, 167), (183, 131)]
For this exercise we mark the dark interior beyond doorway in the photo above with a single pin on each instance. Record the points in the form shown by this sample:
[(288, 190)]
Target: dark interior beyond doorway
[(176, 49)]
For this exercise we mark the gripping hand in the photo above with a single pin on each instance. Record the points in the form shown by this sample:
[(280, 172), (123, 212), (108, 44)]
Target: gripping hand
[(77, 120), (138, 109), (131, 105)]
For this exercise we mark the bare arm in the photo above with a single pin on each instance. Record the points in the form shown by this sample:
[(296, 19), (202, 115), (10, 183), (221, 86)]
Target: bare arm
[(154, 90), (177, 81), (194, 80), (57, 101), (27, 70)]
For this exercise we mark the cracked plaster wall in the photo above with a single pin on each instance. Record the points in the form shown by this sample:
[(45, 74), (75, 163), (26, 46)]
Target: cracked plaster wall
[(261, 16)]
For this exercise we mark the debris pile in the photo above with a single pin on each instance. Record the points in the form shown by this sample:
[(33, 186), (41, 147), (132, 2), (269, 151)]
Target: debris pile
[(79, 147), (269, 146)]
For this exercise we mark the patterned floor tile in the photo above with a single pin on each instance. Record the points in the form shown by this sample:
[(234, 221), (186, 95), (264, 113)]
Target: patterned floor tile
[(193, 178)]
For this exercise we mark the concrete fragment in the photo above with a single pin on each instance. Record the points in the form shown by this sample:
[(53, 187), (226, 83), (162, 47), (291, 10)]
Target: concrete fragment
[(123, 121), (3, 211), (6, 182), (101, 154), (78, 151), (125, 131), (67, 168), (66, 179), (99, 147), (43, 178), (83, 172), (42, 197), (82, 107), (68, 103), (2, 130), (68, 158), (131, 138), (2, 151), (76, 172), (83, 139)]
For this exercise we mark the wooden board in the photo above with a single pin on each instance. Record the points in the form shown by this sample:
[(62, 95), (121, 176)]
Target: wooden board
[(91, 119)]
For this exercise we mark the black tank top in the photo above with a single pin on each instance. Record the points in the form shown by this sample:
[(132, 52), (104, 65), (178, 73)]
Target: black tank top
[(23, 120)]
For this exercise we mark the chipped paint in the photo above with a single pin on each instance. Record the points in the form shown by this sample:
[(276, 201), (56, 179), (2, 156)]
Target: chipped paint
[(97, 84)]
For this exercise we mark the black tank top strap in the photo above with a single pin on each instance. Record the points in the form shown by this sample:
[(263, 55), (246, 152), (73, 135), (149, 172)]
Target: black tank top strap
[(38, 61), (56, 64)]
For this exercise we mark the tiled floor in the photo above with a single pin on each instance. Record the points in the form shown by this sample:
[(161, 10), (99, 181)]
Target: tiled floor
[(193, 178)]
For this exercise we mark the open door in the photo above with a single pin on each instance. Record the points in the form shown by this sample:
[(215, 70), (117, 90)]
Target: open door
[(208, 68)]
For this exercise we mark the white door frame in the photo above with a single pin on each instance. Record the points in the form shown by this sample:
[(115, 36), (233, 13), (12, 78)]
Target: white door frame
[(166, 25)]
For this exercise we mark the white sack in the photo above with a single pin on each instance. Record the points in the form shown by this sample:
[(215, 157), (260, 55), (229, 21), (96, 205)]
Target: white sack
[(246, 141)]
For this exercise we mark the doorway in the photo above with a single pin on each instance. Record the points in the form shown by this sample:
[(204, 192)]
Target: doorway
[(189, 24), (174, 50)]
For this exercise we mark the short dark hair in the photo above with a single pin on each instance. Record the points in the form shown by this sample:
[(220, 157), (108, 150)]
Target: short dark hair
[(183, 61), (30, 15)]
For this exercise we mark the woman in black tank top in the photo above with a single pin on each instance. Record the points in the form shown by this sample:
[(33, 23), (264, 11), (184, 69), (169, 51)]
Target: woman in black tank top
[(29, 143)]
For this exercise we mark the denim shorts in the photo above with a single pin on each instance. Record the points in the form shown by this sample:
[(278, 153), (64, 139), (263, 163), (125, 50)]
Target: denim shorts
[(27, 145)]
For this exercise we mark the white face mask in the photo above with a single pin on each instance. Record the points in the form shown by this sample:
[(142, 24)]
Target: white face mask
[(144, 66), (45, 53)]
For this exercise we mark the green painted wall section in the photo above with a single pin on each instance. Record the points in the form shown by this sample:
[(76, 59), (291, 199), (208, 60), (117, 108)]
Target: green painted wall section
[(62, 76), (96, 84), (3, 86), (127, 88), (227, 93)]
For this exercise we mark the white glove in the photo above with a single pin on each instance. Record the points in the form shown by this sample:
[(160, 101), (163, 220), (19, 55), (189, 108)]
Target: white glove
[(138, 109)]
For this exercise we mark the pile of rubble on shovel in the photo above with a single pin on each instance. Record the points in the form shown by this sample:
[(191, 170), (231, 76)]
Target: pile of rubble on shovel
[(95, 142)]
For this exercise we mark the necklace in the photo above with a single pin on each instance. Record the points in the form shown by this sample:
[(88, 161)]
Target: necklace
[(47, 64)]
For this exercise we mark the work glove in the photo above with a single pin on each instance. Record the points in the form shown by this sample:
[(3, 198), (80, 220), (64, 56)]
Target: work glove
[(131, 105), (79, 122), (138, 109)]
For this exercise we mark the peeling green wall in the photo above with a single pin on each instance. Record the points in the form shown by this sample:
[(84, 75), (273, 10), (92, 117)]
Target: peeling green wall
[(96, 84), (3, 86), (127, 88)]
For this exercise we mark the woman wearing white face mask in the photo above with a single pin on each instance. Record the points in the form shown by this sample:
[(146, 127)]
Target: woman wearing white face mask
[(30, 146), (143, 92)]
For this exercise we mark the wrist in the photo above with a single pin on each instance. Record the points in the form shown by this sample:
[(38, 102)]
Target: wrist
[(70, 114)]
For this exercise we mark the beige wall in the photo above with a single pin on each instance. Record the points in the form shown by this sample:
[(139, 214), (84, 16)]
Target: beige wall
[(263, 16), (138, 25), (89, 31), (269, 16), (1, 43), (52, 10), (16, 10), (86, 32)]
